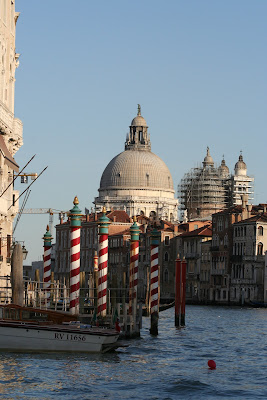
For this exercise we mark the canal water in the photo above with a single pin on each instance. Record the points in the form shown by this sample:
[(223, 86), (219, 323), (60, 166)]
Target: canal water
[(170, 366)]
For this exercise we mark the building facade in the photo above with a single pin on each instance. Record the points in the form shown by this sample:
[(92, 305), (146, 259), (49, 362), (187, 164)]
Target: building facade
[(10, 131), (248, 260)]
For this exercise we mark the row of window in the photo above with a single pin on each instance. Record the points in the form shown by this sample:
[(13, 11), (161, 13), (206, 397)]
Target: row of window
[(241, 231), (239, 249), (239, 272)]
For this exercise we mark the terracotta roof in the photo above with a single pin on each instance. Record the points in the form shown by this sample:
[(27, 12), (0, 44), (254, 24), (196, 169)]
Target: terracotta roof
[(261, 217), (118, 216), (205, 230), (119, 232), (230, 210), (118, 229)]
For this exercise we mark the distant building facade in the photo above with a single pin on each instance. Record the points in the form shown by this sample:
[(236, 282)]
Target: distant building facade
[(248, 266), (208, 189)]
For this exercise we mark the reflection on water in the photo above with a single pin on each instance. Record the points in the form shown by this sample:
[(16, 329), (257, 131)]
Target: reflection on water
[(170, 366)]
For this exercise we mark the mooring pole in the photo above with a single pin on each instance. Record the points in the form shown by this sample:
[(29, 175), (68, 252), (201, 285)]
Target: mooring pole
[(47, 238), (75, 234), (103, 264), (154, 301), (17, 275), (95, 278), (134, 257), (183, 292), (178, 291)]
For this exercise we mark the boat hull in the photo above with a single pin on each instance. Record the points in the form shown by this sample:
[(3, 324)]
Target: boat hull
[(23, 337)]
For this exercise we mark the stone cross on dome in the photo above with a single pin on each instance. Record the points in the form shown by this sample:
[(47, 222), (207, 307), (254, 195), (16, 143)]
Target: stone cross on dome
[(138, 109)]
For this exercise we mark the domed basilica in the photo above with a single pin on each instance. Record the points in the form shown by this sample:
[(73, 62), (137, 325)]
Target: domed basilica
[(137, 180), (207, 189)]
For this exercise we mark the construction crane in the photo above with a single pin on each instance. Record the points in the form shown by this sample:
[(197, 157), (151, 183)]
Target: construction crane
[(50, 211)]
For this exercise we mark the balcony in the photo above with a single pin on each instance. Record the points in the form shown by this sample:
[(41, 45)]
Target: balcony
[(214, 248), (254, 258), (236, 258), (217, 271), (192, 255), (239, 281)]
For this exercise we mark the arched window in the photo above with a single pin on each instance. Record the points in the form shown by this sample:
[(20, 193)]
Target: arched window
[(260, 231), (166, 276), (260, 249), (167, 240), (166, 256)]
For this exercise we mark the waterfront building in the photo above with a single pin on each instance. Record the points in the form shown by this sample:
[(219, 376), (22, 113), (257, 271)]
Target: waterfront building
[(205, 270), (10, 131), (222, 257), (208, 189), (248, 260), (190, 248), (137, 180)]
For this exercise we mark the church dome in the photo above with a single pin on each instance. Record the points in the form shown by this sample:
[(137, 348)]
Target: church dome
[(240, 166), (137, 180), (208, 160), (137, 169), (139, 121), (223, 169), (240, 163)]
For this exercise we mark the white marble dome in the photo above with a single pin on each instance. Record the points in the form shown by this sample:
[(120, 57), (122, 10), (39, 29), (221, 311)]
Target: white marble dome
[(137, 180), (137, 169)]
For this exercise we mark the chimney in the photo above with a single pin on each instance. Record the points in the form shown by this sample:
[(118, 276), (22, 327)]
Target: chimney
[(249, 209), (244, 198), (114, 218), (87, 217), (264, 208), (175, 228), (95, 216)]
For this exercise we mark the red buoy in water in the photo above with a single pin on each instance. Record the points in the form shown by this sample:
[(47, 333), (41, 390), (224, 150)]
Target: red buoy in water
[(212, 364)]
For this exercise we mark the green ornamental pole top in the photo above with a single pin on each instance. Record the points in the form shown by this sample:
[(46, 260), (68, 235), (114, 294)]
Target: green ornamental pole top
[(47, 238), (135, 231), (104, 222), (155, 236), (75, 214)]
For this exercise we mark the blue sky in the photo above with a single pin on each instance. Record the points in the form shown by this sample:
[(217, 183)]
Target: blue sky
[(198, 69)]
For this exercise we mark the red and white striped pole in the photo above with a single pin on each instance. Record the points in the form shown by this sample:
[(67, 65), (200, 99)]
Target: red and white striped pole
[(134, 258), (95, 277), (103, 265), (75, 232), (154, 281), (47, 265)]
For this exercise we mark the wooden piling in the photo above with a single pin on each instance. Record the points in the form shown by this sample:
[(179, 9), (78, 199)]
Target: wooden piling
[(178, 284), (183, 267), (17, 275)]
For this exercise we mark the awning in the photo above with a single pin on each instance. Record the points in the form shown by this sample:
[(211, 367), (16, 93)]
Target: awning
[(9, 160)]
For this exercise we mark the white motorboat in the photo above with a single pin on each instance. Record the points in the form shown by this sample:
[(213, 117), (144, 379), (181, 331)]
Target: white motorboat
[(45, 334)]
